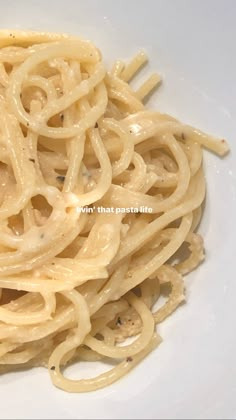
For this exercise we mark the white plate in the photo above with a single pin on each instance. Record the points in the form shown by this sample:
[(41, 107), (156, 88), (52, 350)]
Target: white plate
[(193, 373)]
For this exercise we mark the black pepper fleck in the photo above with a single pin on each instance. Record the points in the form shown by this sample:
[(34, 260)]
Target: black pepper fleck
[(60, 178), (32, 160), (118, 322), (52, 367), (96, 125), (129, 359), (62, 117)]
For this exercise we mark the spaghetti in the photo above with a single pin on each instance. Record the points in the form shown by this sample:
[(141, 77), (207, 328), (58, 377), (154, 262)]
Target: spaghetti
[(74, 284)]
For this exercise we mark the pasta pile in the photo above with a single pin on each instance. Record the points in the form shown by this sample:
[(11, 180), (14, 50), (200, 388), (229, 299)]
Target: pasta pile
[(97, 195)]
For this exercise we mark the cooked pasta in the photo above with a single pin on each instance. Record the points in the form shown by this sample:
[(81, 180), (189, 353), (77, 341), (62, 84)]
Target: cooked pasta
[(98, 198)]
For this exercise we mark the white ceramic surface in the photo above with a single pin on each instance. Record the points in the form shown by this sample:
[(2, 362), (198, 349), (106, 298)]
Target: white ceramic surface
[(193, 373)]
